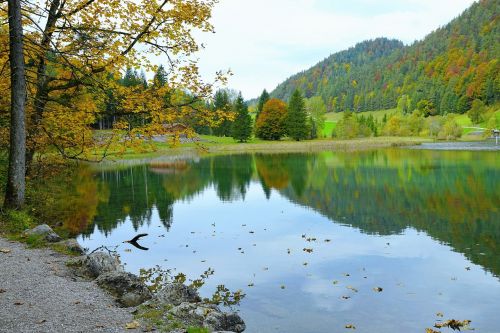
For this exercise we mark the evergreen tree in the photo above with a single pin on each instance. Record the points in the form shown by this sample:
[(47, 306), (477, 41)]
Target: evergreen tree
[(222, 104), (242, 126), (264, 97), (160, 78), (296, 121)]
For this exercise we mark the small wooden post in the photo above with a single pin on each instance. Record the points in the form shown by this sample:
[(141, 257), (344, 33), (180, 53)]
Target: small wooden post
[(496, 134)]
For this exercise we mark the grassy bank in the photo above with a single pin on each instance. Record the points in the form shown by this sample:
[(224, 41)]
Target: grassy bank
[(218, 145)]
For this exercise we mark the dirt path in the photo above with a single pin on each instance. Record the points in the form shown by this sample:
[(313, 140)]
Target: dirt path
[(38, 293)]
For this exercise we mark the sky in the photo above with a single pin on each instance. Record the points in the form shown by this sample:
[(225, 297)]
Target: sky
[(263, 42)]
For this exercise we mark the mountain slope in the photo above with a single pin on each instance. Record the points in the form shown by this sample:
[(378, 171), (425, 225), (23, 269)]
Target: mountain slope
[(450, 67)]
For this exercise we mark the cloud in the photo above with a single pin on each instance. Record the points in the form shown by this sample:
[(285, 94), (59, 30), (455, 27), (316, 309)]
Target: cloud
[(265, 41)]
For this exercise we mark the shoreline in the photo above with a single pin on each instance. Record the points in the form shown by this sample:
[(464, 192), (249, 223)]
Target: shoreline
[(40, 293), (361, 144)]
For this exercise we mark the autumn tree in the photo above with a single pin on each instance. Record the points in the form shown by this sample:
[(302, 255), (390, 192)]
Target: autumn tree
[(296, 119), (80, 44), (242, 126), (270, 124)]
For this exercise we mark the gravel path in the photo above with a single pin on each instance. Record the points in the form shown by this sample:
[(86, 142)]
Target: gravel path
[(38, 293)]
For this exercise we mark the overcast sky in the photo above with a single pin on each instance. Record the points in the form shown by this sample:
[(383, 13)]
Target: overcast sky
[(265, 41)]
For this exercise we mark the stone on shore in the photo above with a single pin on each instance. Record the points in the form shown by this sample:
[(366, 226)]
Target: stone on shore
[(98, 263), (126, 287), (221, 321), (177, 293), (45, 231), (72, 245)]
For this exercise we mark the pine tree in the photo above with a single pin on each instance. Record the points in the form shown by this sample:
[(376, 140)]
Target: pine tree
[(242, 126), (296, 121), (160, 78), (264, 97), (222, 104)]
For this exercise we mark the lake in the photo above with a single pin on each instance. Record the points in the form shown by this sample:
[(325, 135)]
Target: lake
[(310, 237)]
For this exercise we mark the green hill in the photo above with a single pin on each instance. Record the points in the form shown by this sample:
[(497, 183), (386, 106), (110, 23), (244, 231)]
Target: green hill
[(450, 67)]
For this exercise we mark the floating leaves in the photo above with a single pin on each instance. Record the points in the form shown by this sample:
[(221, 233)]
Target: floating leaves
[(378, 289), (454, 324), (4, 250), (308, 250), (352, 288), (350, 326), (430, 330)]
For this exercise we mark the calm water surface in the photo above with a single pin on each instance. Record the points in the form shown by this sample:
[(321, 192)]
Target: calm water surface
[(422, 225)]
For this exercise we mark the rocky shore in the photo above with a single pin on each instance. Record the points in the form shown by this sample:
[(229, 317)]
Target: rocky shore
[(45, 291)]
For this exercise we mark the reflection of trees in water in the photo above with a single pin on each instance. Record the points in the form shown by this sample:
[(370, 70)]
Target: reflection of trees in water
[(450, 196), (453, 200), (135, 192)]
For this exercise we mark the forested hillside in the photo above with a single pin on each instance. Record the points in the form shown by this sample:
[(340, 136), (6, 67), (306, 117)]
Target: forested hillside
[(450, 68)]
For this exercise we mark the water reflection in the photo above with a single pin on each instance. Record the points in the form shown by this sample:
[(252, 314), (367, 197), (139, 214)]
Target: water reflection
[(452, 196), (241, 213)]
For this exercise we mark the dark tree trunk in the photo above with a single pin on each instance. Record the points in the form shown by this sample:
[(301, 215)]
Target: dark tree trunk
[(42, 88), (16, 182)]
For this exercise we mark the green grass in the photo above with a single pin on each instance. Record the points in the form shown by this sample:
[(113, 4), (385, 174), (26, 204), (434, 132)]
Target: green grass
[(328, 129)]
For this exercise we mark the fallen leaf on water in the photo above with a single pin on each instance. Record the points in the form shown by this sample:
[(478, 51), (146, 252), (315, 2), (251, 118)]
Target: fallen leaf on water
[(430, 330), (41, 321), (3, 250), (346, 297), (307, 250), (18, 303), (77, 302), (378, 289), (132, 325), (352, 288), (2, 291), (350, 326), (453, 324)]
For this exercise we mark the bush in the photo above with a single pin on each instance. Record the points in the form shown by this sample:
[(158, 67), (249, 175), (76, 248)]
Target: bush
[(450, 130)]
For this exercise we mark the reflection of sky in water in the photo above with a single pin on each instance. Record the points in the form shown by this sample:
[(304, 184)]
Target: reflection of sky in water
[(419, 276)]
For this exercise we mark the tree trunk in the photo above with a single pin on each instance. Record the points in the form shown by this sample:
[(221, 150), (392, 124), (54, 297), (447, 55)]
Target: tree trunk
[(16, 181)]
